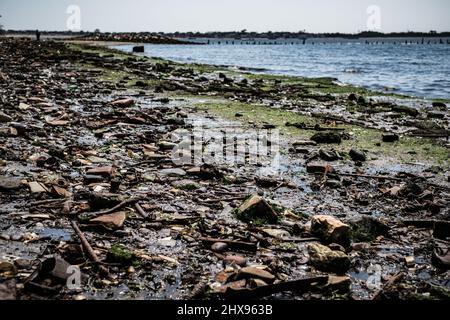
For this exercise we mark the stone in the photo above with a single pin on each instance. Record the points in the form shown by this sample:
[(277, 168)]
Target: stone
[(175, 172), (319, 167), (119, 254), (10, 184), (327, 137), (255, 209), (357, 155), (303, 143), (339, 283), (102, 171), (166, 145), (276, 233), (254, 272), (5, 118), (439, 105), (186, 185), (330, 230), (7, 268), (367, 229), (390, 137), (138, 49), (219, 247), (327, 260), (123, 103), (237, 260), (410, 261), (111, 221), (36, 187)]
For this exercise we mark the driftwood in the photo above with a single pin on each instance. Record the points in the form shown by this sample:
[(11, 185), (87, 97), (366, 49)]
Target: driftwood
[(264, 291), (388, 285), (140, 210), (86, 245), (114, 209)]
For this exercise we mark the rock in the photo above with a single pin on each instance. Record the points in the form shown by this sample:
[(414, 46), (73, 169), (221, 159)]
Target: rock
[(360, 246), (339, 283), (406, 110), (254, 272), (410, 261), (330, 230), (186, 185), (441, 254), (367, 229), (390, 137), (357, 155), (102, 171), (327, 137), (10, 184), (124, 103), (5, 118), (166, 145), (138, 49), (7, 268), (439, 105), (330, 155), (255, 209), (352, 97), (111, 221), (36, 187), (219, 247), (175, 172), (325, 259), (276, 233), (119, 254), (318, 167), (237, 260)]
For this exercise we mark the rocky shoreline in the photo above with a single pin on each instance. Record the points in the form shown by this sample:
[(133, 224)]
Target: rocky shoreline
[(358, 207)]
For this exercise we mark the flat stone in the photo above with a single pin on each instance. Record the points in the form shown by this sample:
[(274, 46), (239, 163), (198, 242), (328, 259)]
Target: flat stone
[(186, 185), (110, 221), (36, 187), (175, 172), (238, 260), (253, 272), (219, 247)]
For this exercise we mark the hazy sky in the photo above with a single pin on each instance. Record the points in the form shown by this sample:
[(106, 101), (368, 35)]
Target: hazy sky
[(227, 15)]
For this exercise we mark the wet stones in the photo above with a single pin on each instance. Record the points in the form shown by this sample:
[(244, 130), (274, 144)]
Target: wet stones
[(119, 254), (367, 229), (237, 260), (107, 171), (390, 137), (325, 259), (173, 172), (330, 230), (256, 210), (358, 155), (327, 137)]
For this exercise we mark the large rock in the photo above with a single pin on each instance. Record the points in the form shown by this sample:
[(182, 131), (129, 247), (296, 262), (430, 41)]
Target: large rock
[(256, 209), (325, 259), (330, 230), (327, 137), (10, 184), (111, 221), (367, 229)]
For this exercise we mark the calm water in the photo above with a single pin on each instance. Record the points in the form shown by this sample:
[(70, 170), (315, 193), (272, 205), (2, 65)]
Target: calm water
[(421, 70)]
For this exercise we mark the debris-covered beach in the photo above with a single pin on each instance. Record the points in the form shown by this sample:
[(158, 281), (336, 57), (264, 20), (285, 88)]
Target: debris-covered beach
[(351, 202)]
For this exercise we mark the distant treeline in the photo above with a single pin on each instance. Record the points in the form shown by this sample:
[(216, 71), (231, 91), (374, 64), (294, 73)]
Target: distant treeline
[(244, 34)]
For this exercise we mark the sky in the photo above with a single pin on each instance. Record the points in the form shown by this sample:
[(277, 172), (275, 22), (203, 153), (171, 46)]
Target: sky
[(348, 16)]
